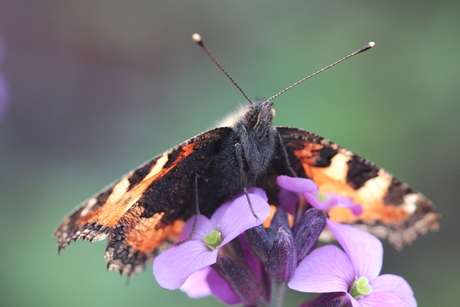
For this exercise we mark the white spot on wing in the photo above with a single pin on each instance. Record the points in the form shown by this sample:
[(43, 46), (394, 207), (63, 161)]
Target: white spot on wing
[(119, 190), (158, 165), (89, 205), (410, 203), (338, 169), (377, 187)]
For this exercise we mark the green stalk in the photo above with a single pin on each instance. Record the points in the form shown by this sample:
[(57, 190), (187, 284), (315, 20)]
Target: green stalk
[(277, 293)]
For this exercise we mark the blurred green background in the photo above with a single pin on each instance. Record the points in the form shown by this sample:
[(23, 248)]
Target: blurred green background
[(98, 87)]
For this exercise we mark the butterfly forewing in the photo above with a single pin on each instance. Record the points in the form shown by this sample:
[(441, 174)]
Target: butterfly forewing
[(148, 205), (392, 210)]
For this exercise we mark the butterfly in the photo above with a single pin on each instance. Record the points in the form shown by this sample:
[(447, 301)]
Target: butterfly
[(144, 212)]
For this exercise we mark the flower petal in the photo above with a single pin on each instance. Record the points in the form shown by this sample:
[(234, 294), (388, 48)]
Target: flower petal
[(172, 267), (356, 209), (196, 285), (217, 216), (364, 250), (221, 289), (203, 227), (325, 269), (396, 286), (238, 217), (296, 184), (346, 202), (315, 202), (354, 302), (380, 299), (258, 191), (288, 201)]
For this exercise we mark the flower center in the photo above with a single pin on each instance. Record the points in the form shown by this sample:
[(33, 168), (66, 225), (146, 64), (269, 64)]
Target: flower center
[(322, 197), (360, 288), (213, 239)]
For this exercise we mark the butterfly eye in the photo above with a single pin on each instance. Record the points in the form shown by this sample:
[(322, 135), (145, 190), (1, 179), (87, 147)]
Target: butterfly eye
[(251, 117)]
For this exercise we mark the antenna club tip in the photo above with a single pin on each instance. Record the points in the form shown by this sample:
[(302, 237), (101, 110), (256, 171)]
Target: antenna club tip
[(366, 47), (196, 38)]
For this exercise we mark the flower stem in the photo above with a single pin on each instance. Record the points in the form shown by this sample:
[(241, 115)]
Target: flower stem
[(262, 303), (277, 293), (301, 206)]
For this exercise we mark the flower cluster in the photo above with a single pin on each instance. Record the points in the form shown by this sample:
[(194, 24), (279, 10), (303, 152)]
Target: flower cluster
[(243, 260)]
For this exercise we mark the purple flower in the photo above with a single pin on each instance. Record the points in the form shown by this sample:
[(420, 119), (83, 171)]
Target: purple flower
[(309, 190), (175, 265), (207, 281), (354, 272), (256, 267)]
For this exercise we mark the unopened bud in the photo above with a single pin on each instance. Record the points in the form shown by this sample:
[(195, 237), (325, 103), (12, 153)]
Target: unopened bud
[(335, 299), (259, 242), (282, 259), (279, 219), (307, 231), (242, 281)]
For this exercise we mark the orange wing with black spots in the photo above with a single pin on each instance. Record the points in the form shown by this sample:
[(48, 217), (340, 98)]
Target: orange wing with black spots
[(145, 209), (392, 210)]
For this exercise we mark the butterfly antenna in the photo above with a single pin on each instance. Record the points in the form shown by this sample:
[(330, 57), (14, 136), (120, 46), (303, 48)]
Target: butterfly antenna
[(197, 38), (361, 50)]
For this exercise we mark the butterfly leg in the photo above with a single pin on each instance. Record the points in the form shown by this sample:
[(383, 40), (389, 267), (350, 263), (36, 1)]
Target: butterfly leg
[(244, 179), (285, 156), (197, 212), (302, 204)]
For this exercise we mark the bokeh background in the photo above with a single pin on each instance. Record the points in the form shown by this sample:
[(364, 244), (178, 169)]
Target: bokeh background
[(96, 88)]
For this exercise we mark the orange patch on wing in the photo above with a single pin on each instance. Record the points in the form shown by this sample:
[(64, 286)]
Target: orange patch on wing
[(309, 153), (121, 200), (333, 179), (269, 219), (146, 236)]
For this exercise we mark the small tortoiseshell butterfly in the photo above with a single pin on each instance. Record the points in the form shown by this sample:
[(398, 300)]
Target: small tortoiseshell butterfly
[(143, 212)]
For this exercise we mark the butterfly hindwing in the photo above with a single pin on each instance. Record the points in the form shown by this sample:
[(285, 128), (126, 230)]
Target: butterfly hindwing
[(392, 210)]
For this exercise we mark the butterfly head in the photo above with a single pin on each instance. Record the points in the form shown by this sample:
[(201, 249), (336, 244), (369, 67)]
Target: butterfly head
[(259, 116), (257, 136)]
